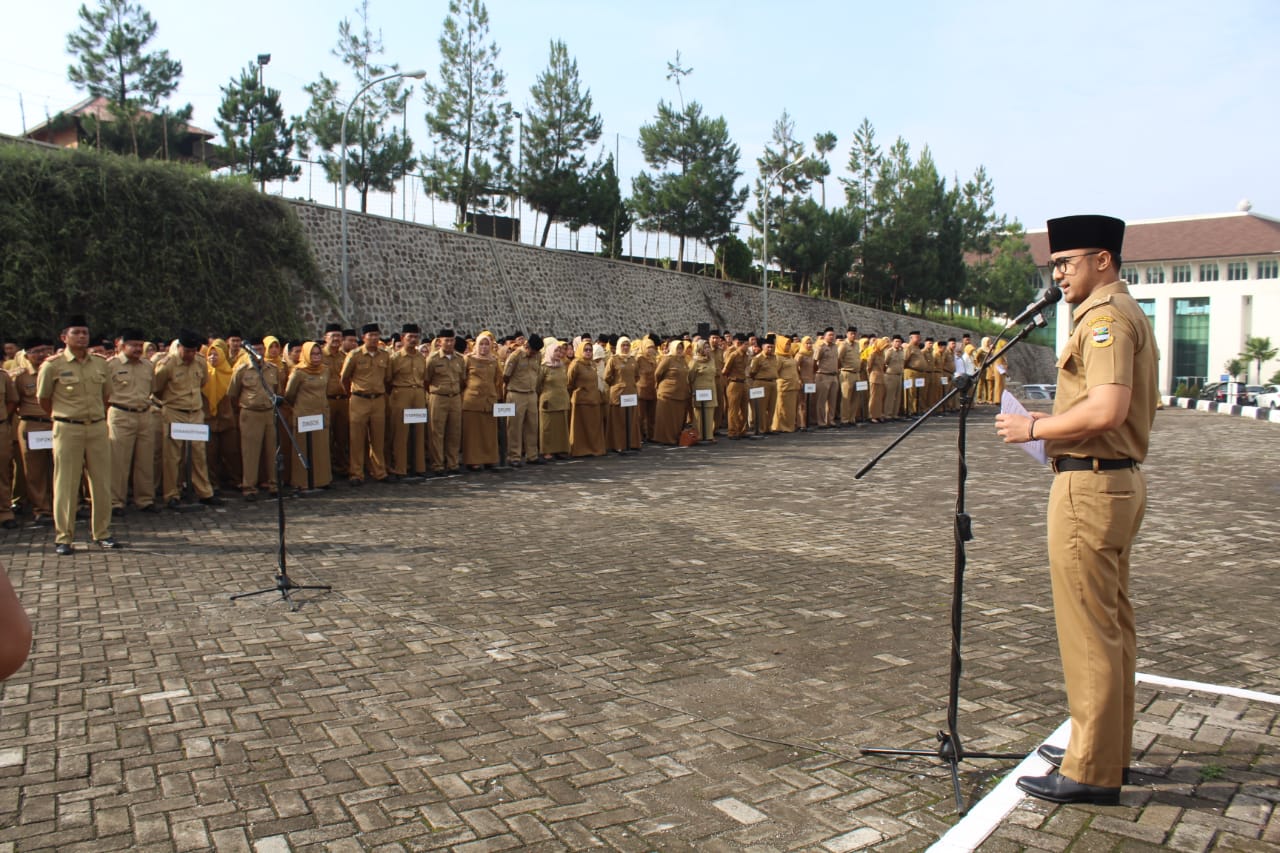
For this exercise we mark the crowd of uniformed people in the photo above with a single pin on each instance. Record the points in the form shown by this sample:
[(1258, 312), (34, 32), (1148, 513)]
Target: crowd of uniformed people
[(97, 429)]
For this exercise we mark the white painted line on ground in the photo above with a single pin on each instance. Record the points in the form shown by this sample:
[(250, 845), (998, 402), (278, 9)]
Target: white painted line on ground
[(982, 820), (1202, 687)]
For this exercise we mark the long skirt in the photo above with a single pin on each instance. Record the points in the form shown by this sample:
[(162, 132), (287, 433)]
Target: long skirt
[(784, 418), (645, 412), (616, 431), (875, 403), (315, 446), (553, 432), (479, 438), (586, 431), (669, 420)]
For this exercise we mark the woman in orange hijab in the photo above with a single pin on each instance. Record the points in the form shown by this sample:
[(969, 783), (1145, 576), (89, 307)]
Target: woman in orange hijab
[(306, 392), (223, 448)]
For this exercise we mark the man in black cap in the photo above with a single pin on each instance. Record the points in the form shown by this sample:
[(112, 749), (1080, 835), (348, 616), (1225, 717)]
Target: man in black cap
[(37, 462), (178, 386), (827, 357), (133, 437), (366, 375), (333, 357), (520, 375), (736, 362), (408, 391), (763, 372), (446, 377), (895, 360), (849, 358), (1097, 436), (73, 388)]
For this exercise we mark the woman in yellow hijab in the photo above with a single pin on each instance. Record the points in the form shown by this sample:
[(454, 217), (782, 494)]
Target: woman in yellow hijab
[(807, 367), (306, 393), (876, 376), (788, 383), (223, 449)]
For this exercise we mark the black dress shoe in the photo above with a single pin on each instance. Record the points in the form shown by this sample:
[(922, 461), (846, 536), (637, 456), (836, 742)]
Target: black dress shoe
[(1057, 788), (150, 508), (117, 512), (62, 549), (9, 524), (110, 543), (212, 500), (1055, 754)]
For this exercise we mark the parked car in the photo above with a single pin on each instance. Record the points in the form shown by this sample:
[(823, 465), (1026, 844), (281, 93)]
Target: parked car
[(1269, 397), (1039, 392), (1217, 392)]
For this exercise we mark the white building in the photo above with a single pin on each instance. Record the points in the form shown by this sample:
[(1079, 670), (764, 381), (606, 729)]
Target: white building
[(1206, 283)]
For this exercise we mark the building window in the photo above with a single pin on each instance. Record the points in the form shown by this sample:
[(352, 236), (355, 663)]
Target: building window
[(1181, 273), (1191, 340), (1237, 271), (1208, 272), (1130, 274), (1269, 269), (1148, 307), (1155, 275)]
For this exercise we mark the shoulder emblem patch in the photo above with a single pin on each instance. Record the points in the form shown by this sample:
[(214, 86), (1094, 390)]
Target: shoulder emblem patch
[(1100, 331)]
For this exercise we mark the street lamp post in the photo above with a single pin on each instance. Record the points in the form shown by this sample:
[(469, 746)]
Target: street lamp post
[(263, 59), (764, 241), (519, 201), (346, 285)]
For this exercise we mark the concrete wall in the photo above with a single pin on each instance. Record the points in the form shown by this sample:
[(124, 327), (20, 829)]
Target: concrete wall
[(402, 272)]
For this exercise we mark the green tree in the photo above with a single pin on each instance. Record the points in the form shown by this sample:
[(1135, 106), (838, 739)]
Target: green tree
[(819, 169), (783, 165), (692, 192), (977, 213), (258, 137), (561, 126), (1258, 350), (112, 63), (1235, 367), (865, 160), (1006, 279), (734, 258), (601, 205), (378, 153), (468, 113)]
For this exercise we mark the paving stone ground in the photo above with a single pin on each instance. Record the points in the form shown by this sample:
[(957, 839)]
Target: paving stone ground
[(680, 650)]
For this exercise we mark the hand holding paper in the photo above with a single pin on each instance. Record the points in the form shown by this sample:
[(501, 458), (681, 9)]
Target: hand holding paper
[(1009, 405)]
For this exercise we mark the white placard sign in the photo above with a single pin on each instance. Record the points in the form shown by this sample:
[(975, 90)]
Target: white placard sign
[(189, 432), (504, 410), (703, 395), (946, 381), (627, 401), (310, 423), (861, 385), (415, 416), (906, 384), (41, 440), (1001, 369), (756, 393), (920, 383), (810, 387)]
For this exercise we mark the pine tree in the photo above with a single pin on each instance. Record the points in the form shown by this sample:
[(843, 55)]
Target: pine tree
[(258, 137), (468, 114)]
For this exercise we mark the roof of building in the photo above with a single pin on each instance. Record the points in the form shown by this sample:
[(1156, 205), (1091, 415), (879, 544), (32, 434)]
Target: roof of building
[(98, 108), (1218, 235)]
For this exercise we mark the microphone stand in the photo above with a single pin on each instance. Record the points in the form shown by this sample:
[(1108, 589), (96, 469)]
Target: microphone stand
[(950, 750), (284, 583)]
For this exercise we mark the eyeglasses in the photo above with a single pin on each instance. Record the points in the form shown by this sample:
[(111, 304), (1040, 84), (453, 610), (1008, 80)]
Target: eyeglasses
[(1065, 265)]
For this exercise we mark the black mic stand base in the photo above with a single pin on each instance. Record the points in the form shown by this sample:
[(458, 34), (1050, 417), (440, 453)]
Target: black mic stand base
[(948, 752), (284, 586)]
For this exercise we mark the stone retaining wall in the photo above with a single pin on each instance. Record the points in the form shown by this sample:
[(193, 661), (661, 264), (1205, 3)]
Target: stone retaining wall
[(404, 272)]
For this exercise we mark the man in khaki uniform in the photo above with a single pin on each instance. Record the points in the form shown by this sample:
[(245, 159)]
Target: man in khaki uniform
[(895, 358), (133, 438), (763, 372), (717, 361), (828, 359), (913, 375), (339, 419), (73, 389), (520, 376), (255, 402), (735, 375), (849, 359), (8, 405), (1097, 436), (177, 385), (37, 463), (365, 376), (408, 391), (446, 376)]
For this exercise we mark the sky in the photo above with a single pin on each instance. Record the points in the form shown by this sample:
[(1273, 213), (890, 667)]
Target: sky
[(1136, 109)]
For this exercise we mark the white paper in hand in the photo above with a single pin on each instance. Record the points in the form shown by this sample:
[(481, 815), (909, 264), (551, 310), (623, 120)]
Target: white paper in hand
[(1009, 405)]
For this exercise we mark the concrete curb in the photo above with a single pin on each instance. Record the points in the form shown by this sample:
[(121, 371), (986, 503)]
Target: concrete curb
[(1250, 412)]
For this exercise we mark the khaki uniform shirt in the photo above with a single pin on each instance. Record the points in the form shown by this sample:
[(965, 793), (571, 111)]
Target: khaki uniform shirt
[(788, 374), (246, 386), (131, 382), (179, 386), (847, 355), (28, 403), (334, 361), (894, 360), (445, 374), (521, 372), (1111, 344), (735, 365), (408, 369), (368, 372), (8, 396), (76, 387), (827, 357), (764, 368)]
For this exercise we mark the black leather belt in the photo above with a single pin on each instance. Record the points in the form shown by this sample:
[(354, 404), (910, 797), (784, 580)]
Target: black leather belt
[(79, 423), (366, 396), (438, 394), (337, 396), (737, 380), (143, 410), (35, 419), (182, 411), (1089, 463)]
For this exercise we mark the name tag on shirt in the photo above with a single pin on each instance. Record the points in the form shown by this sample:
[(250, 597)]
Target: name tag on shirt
[(861, 385), (42, 440), (310, 423), (811, 387), (626, 401), (504, 410), (756, 393), (415, 416), (189, 432)]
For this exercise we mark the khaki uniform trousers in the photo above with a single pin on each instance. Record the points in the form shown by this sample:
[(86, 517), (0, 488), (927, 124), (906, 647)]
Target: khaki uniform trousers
[(133, 452), (408, 441), (736, 394), (176, 454), (766, 408), (257, 449), (848, 396), (892, 395), (368, 419), (37, 470), (522, 430), (828, 398), (445, 414), (79, 449), (6, 471), (1093, 519), (911, 394)]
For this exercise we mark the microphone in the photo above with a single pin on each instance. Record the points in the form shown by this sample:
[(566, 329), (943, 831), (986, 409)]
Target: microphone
[(253, 355), (1051, 294)]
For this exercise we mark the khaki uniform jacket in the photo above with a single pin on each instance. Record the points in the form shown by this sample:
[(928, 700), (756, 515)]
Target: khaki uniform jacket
[(788, 375), (735, 365), (520, 373), (445, 374), (131, 382), (553, 391), (246, 386), (367, 372), (620, 375), (179, 386), (408, 369), (763, 369), (482, 385), (77, 388)]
